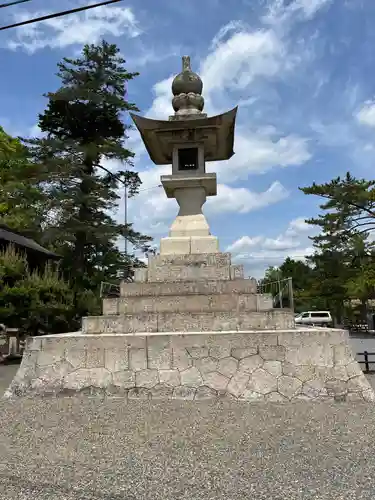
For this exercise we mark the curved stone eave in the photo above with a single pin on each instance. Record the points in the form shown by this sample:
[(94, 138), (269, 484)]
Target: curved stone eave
[(148, 129), (143, 123)]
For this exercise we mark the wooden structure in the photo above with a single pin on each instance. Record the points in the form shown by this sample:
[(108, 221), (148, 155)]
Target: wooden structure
[(36, 254)]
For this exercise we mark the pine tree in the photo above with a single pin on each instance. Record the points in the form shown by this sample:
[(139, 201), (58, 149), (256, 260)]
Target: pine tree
[(84, 127), (22, 197), (349, 209), (344, 256)]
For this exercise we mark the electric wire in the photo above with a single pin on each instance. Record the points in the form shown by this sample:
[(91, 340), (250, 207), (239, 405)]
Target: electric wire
[(58, 14), (16, 2)]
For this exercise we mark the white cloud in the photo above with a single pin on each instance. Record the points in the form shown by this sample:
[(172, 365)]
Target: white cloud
[(17, 130), (232, 26), (281, 12), (237, 57), (145, 56), (242, 200), (297, 227), (232, 64), (259, 152), (84, 27), (366, 115), (236, 62), (161, 106), (259, 252)]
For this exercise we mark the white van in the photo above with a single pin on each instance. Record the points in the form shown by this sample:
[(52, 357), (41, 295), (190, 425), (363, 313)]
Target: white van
[(318, 318)]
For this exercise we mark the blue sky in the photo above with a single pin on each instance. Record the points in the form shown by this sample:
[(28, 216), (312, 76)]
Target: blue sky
[(301, 71)]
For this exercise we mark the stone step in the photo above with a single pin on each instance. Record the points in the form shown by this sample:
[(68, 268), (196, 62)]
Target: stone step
[(190, 267), (187, 303), (209, 287), (219, 259), (282, 319)]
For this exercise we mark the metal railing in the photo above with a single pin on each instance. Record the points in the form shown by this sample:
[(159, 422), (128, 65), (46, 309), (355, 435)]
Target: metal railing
[(280, 290), (356, 328), (366, 361), (109, 290)]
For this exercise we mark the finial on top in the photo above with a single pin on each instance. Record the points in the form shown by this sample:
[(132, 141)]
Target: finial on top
[(186, 63), (187, 89)]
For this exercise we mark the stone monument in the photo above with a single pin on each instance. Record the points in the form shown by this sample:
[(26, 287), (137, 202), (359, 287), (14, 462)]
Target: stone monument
[(187, 141), (191, 326)]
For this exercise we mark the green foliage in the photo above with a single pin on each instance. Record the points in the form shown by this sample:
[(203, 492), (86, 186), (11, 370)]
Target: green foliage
[(84, 128), (33, 301), (22, 201), (349, 209), (302, 275), (60, 191), (9, 146), (343, 260), (272, 274)]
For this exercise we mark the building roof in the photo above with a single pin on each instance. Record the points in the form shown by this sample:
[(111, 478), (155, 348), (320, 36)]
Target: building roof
[(11, 236)]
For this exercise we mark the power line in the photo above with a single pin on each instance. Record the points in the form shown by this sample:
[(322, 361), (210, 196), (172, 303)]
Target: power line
[(59, 14), (148, 189), (13, 3)]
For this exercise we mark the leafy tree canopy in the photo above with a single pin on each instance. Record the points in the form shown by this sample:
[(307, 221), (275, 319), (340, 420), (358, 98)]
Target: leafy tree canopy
[(38, 301), (84, 129), (344, 254), (349, 209), (22, 201)]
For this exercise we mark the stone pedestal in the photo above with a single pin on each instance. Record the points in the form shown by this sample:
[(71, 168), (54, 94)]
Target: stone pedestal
[(189, 244), (283, 366), (191, 327), (190, 232)]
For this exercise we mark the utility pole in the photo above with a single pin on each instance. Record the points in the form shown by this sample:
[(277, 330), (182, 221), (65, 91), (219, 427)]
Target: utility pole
[(126, 268), (280, 290), (291, 296), (126, 216)]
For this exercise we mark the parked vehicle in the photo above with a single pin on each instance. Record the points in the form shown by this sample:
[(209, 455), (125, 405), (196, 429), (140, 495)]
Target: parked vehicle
[(314, 318)]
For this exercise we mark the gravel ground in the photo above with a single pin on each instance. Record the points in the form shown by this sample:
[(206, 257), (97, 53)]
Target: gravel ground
[(81, 448), (91, 449), (7, 372)]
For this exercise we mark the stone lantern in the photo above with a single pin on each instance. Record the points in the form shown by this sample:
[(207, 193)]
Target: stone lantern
[(188, 140)]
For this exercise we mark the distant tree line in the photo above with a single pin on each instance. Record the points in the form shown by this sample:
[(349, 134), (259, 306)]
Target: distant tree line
[(340, 275)]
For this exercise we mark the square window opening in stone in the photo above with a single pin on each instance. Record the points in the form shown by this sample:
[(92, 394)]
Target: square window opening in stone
[(188, 159)]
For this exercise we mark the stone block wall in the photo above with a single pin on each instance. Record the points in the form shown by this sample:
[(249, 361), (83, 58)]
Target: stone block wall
[(190, 267), (200, 287), (187, 303), (218, 321), (282, 366)]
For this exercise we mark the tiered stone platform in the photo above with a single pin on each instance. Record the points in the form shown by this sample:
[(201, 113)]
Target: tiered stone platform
[(189, 293), (191, 327)]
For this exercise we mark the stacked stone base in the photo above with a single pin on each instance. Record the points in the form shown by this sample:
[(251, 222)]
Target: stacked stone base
[(164, 322), (191, 327), (175, 245), (185, 293), (311, 365)]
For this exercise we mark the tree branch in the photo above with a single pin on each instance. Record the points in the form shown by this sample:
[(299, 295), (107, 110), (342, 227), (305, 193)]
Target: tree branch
[(350, 203)]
